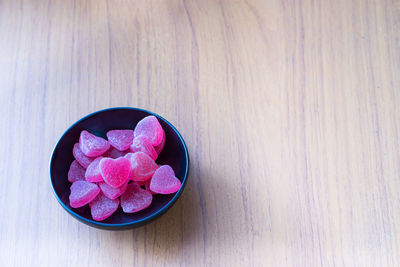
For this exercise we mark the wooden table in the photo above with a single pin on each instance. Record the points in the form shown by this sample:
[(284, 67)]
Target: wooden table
[(290, 109)]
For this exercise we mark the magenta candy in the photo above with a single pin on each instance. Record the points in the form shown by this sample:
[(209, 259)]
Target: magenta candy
[(111, 192), (135, 198), (160, 147), (164, 181), (141, 144), (115, 153), (102, 207), (115, 172), (92, 173), (91, 145), (83, 160), (120, 139), (82, 193), (76, 172), (142, 166), (150, 128)]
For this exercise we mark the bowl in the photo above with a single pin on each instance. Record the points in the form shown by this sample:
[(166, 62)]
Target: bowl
[(175, 154)]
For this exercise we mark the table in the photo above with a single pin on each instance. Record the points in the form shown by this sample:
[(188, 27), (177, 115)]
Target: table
[(290, 110)]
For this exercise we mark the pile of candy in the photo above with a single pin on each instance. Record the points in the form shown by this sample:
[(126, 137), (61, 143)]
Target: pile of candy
[(120, 170)]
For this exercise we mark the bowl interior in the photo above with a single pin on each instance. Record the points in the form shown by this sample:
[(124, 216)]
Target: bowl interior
[(173, 154)]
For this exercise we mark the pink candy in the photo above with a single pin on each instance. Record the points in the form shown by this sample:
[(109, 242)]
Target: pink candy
[(141, 144), (92, 173), (82, 193), (80, 157), (135, 198), (102, 170), (115, 172), (150, 128), (91, 145), (120, 139), (111, 192), (76, 172), (142, 166), (102, 207), (164, 181)]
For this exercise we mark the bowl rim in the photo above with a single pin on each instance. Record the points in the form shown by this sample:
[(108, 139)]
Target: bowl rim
[(136, 222)]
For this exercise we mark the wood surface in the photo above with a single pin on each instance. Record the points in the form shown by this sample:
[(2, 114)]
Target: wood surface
[(290, 110)]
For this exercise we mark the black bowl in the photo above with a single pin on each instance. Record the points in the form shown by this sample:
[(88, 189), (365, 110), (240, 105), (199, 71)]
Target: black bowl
[(175, 154)]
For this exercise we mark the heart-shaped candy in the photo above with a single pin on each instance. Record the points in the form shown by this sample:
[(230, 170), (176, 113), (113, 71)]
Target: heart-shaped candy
[(164, 181), (135, 198), (102, 207), (82, 193), (150, 128), (120, 139), (115, 172), (91, 145)]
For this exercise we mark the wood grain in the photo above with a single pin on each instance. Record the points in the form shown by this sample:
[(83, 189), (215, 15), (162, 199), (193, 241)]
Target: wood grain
[(290, 110)]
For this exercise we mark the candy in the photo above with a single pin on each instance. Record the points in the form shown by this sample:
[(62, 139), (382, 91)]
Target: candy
[(82, 193), (91, 145), (135, 198), (164, 181), (115, 153), (150, 128), (80, 157), (76, 172), (102, 207), (115, 172), (160, 147), (92, 173), (120, 139), (142, 144), (111, 192), (142, 166)]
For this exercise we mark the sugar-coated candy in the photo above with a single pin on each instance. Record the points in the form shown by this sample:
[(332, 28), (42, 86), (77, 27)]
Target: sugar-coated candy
[(115, 153), (80, 157), (111, 192), (164, 181), (142, 144), (115, 172), (142, 166), (120, 139), (93, 173), (82, 193), (160, 147), (102, 207), (76, 172), (150, 128), (91, 145), (135, 198)]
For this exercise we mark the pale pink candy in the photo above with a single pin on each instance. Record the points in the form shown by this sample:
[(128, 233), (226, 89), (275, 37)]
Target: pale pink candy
[(120, 139), (160, 147), (91, 145), (80, 157), (82, 193), (76, 172), (142, 166), (115, 153), (142, 144), (135, 198), (111, 192), (150, 128), (164, 181), (115, 172), (147, 186), (102, 207), (93, 173)]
